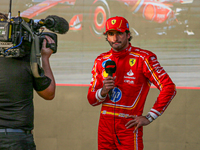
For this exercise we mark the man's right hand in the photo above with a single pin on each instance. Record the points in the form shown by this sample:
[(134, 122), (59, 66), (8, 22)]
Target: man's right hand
[(108, 84)]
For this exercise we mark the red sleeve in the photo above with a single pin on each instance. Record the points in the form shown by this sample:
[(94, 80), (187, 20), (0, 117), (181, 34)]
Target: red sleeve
[(158, 76), (94, 97)]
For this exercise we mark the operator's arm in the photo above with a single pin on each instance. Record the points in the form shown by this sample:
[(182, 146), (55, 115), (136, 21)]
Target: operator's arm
[(49, 92)]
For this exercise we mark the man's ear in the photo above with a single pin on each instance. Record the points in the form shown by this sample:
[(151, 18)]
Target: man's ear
[(128, 35)]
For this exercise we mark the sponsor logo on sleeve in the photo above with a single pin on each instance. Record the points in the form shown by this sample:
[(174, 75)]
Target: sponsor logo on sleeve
[(153, 58)]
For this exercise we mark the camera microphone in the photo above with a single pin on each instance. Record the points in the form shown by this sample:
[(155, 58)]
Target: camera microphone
[(110, 68), (56, 24)]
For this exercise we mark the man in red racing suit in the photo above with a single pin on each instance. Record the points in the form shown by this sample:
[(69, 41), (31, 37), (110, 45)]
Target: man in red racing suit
[(121, 121)]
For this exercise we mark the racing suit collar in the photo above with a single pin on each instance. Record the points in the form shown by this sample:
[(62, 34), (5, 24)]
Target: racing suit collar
[(121, 53)]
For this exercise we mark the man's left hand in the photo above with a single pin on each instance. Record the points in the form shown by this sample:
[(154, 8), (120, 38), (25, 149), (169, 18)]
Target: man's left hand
[(137, 122)]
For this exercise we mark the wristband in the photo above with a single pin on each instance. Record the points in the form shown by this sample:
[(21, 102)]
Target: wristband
[(99, 97)]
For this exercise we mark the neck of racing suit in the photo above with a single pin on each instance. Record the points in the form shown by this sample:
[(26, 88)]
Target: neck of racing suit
[(116, 56)]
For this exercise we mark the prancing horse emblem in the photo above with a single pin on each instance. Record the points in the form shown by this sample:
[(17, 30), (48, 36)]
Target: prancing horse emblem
[(132, 61), (113, 21)]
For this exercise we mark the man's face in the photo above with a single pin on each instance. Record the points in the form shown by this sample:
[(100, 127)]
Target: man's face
[(118, 40)]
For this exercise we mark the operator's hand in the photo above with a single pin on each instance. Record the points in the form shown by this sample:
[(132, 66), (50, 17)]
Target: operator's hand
[(137, 122), (108, 84), (46, 52)]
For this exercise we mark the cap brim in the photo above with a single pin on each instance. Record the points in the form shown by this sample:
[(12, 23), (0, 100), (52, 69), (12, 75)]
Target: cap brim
[(116, 29)]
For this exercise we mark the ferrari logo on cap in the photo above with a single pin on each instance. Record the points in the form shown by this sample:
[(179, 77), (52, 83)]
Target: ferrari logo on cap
[(113, 21), (132, 61)]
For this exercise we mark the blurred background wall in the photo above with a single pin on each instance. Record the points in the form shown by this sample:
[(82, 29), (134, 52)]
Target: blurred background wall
[(169, 28)]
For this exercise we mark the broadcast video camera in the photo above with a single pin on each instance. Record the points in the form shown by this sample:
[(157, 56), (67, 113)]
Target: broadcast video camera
[(20, 36), (16, 34)]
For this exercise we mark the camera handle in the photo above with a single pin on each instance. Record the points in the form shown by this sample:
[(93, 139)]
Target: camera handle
[(35, 54), (35, 58)]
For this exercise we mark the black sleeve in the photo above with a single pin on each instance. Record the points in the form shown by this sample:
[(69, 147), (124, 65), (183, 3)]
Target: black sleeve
[(41, 83)]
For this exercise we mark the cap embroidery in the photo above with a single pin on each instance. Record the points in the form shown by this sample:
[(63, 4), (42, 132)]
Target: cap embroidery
[(113, 21), (120, 24), (127, 25)]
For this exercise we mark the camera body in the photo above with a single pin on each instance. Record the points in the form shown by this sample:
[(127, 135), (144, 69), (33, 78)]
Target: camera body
[(16, 36)]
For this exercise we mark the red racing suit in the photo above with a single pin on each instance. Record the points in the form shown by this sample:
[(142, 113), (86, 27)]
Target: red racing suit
[(136, 69)]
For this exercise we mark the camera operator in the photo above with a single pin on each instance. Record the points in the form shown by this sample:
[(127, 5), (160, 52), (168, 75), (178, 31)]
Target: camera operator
[(16, 97)]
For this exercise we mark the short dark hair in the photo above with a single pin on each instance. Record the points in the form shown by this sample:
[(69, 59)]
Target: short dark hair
[(126, 33), (130, 35)]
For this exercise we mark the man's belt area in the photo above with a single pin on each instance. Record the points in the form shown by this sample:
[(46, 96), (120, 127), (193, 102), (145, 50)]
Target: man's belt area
[(104, 112), (9, 130)]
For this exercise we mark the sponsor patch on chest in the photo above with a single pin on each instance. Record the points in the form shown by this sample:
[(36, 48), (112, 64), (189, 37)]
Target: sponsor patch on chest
[(129, 77)]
